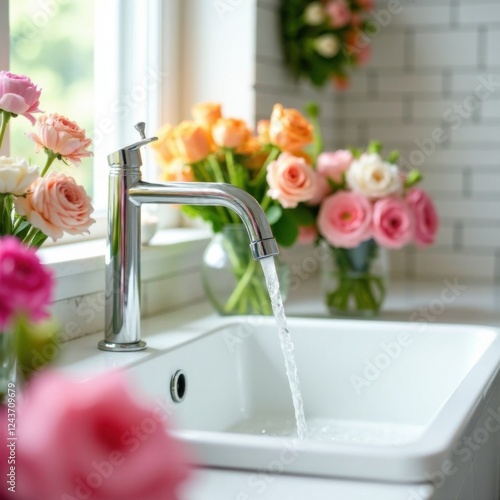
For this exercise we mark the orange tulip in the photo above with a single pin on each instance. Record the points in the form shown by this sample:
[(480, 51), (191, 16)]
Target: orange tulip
[(263, 131), (289, 130), (206, 113), (161, 147), (176, 171), (190, 142), (230, 132)]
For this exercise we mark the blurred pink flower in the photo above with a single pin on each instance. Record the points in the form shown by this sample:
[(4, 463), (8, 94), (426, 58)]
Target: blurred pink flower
[(425, 216), (392, 222), (321, 191), (97, 442), (26, 285), (291, 180), (19, 95), (307, 234), (338, 13), (334, 164), (57, 204), (344, 219), (61, 136)]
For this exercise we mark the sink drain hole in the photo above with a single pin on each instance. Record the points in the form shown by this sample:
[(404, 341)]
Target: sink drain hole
[(178, 386)]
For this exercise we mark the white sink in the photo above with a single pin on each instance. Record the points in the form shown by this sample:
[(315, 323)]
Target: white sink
[(394, 398)]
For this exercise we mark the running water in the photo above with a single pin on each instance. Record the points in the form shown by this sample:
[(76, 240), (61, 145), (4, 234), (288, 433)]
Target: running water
[(286, 343)]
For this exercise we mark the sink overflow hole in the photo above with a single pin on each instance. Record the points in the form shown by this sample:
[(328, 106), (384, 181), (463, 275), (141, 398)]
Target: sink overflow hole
[(178, 386)]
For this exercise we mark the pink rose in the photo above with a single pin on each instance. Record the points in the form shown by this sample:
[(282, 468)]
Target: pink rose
[(97, 442), (392, 222), (307, 235), (344, 219), (19, 95), (321, 191), (334, 164), (61, 136), (291, 180), (425, 216), (26, 286), (57, 204), (338, 12)]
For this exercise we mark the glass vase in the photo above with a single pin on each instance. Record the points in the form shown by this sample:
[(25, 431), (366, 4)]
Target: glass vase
[(7, 364), (233, 281), (354, 280)]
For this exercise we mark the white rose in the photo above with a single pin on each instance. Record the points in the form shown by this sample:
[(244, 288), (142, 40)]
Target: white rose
[(314, 14), (373, 177), (327, 45), (16, 176)]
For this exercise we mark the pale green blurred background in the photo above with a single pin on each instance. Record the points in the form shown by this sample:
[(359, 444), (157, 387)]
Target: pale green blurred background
[(53, 43)]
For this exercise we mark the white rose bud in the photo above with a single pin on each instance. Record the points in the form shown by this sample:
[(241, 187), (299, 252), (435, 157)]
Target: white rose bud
[(373, 177), (314, 14), (327, 45), (16, 176)]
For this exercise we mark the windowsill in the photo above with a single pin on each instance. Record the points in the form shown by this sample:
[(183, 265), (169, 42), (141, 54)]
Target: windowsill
[(79, 267)]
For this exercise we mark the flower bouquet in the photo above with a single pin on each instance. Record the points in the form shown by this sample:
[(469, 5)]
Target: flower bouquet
[(324, 39), (34, 204), (366, 203), (272, 165)]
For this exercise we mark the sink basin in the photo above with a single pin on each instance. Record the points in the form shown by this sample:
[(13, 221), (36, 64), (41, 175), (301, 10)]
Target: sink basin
[(383, 400)]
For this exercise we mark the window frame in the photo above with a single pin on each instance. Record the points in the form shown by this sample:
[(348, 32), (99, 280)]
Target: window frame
[(160, 21)]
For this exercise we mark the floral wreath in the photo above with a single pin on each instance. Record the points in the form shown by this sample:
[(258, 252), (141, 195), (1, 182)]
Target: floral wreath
[(324, 40)]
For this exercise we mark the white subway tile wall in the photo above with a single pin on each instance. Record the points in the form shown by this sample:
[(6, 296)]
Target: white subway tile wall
[(431, 90)]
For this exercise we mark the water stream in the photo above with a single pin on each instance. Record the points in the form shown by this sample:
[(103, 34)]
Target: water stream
[(273, 287)]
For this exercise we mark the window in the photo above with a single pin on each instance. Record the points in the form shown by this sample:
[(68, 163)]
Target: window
[(104, 64)]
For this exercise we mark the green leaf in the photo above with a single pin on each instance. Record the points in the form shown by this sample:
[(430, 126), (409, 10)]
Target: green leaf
[(274, 213), (393, 156), (302, 215), (413, 178), (375, 147), (285, 230)]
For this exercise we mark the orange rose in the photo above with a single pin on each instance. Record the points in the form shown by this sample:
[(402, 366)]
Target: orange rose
[(289, 130), (230, 132), (190, 142), (254, 156), (206, 113), (161, 147), (263, 131)]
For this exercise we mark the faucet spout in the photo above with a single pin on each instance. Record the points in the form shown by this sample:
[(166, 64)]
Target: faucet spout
[(127, 192), (262, 242)]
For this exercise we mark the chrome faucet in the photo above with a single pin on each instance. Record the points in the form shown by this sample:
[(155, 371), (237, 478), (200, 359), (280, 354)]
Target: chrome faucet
[(127, 192)]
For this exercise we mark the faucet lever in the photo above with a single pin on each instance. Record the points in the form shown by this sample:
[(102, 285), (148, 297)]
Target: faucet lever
[(129, 155), (141, 127)]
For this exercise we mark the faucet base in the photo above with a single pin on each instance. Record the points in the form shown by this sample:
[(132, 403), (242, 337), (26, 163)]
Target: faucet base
[(116, 347)]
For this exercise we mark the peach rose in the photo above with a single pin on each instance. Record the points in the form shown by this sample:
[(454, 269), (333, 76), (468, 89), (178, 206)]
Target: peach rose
[(190, 142), (230, 132), (99, 441), (176, 171), (57, 204), (206, 113), (289, 130), (291, 180), (61, 136)]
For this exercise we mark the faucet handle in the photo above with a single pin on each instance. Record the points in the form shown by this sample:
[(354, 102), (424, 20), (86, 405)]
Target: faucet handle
[(141, 127), (129, 155)]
